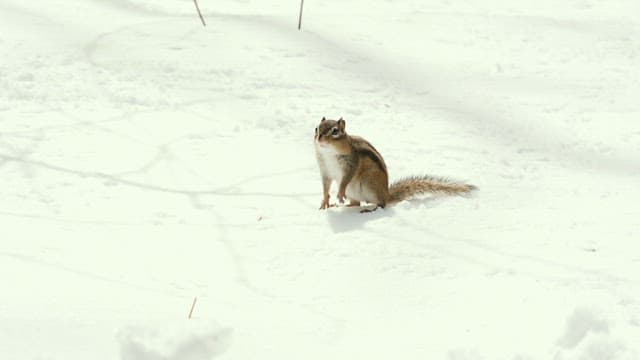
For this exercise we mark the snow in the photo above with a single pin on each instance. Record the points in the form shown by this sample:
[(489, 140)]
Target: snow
[(182, 340), (147, 160)]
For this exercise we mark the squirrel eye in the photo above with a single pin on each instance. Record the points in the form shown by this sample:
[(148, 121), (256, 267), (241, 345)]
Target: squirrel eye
[(334, 131), (316, 130)]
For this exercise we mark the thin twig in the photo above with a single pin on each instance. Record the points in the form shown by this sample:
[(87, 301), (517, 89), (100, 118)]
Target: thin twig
[(193, 306), (199, 13), (300, 17)]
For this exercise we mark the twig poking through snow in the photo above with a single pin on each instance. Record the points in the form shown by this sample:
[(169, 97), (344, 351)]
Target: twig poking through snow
[(194, 302), (299, 17), (199, 13)]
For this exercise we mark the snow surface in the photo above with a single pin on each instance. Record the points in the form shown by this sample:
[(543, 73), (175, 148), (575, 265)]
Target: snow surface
[(181, 340), (146, 160)]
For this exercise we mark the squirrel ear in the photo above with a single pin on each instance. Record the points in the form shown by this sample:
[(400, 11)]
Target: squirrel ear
[(341, 124), (323, 119)]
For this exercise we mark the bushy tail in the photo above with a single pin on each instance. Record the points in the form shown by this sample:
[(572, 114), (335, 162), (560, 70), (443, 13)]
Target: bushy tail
[(413, 185)]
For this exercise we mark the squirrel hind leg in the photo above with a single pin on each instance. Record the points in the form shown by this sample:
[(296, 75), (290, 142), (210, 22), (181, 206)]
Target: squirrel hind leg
[(379, 206)]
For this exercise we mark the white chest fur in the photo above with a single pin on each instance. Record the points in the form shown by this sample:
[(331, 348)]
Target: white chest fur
[(329, 163)]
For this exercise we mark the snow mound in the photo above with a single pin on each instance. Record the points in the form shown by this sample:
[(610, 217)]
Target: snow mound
[(175, 340)]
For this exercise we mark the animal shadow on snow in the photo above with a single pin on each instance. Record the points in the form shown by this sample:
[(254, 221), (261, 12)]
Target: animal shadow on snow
[(344, 219)]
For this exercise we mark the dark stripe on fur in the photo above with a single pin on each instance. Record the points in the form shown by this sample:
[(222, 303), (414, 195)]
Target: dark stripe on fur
[(363, 147), (375, 157)]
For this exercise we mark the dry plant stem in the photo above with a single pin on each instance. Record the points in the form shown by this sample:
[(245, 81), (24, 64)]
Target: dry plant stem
[(199, 13), (193, 306), (300, 17)]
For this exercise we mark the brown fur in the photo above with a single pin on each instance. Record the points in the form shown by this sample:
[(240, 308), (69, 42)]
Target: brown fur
[(361, 167), (414, 185)]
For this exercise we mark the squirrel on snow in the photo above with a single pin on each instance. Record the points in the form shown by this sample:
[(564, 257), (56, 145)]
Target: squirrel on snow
[(361, 173)]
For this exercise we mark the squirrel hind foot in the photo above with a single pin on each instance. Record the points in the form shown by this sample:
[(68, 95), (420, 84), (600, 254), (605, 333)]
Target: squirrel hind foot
[(379, 206)]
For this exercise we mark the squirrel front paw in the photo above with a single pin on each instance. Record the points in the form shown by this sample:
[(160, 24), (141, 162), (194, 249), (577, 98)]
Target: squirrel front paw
[(324, 204), (342, 196)]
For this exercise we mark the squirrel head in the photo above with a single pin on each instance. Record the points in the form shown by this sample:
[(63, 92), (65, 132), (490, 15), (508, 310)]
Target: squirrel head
[(330, 132)]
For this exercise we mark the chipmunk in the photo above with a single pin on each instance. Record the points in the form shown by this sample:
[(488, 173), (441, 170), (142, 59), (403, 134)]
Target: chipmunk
[(361, 173)]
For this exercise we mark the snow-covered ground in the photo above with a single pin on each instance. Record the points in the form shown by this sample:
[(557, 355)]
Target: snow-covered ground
[(146, 160)]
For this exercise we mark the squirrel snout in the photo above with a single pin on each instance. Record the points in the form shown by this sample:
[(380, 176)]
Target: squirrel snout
[(322, 144)]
